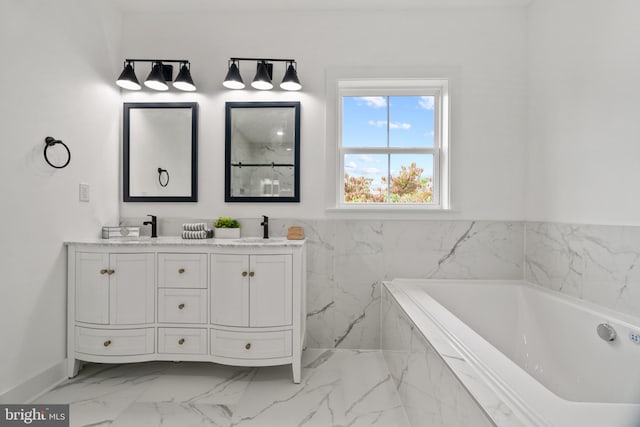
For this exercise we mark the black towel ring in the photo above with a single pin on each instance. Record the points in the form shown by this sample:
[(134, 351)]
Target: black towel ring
[(50, 142), (160, 172)]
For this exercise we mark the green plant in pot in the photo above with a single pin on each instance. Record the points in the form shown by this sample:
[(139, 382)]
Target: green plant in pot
[(227, 228)]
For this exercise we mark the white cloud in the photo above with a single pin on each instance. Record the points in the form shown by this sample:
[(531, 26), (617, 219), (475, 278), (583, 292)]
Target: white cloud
[(426, 102), (367, 158), (351, 166), (378, 123), (374, 101), (392, 125), (396, 125)]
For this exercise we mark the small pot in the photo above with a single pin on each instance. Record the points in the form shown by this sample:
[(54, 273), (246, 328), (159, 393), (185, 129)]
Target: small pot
[(227, 233)]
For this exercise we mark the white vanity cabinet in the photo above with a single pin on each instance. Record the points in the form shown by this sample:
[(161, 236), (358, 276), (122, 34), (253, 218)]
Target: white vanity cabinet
[(114, 288), (252, 308), (224, 301), (251, 290)]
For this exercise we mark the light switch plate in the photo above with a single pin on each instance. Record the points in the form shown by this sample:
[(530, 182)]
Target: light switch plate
[(84, 192)]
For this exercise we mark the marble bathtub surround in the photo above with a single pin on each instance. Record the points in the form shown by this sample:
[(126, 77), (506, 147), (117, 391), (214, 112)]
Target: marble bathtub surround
[(436, 384), (597, 263), (339, 388)]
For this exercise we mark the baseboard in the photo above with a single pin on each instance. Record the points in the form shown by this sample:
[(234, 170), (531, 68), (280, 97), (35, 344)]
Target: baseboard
[(37, 385)]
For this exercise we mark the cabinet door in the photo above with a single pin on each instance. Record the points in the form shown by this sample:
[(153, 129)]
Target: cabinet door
[(270, 290), (131, 288), (230, 290), (92, 287)]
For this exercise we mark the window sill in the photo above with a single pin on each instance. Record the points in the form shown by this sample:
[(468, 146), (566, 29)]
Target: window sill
[(391, 212)]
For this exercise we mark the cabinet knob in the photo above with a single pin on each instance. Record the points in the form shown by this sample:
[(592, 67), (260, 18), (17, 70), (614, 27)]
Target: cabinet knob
[(248, 346), (244, 274), (110, 272), (180, 306), (107, 343), (181, 341), (104, 271), (252, 274), (181, 270)]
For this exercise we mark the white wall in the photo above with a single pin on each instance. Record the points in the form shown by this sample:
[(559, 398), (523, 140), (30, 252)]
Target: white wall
[(583, 129), (59, 60), (486, 47)]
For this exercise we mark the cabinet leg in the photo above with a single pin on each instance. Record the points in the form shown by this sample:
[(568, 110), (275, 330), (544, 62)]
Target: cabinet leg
[(296, 367), (73, 366)]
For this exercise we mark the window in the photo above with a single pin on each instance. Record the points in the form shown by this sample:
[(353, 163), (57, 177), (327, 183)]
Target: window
[(393, 143)]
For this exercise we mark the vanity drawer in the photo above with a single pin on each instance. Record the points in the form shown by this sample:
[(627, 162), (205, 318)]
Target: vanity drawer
[(182, 340), (120, 342), (182, 305), (182, 270), (250, 345)]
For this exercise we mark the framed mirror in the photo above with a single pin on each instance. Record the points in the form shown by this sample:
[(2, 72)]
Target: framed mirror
[(262, 152), (160, 152)]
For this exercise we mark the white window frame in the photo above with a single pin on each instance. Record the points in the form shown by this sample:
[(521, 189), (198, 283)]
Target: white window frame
[(439, 89)]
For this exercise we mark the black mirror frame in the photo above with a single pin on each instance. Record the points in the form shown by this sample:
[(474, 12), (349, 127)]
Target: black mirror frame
[(296, 155), (127, 197)]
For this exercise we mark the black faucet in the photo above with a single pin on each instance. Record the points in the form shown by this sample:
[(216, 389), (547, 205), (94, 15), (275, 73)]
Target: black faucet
[(265, 227), (154, 225)]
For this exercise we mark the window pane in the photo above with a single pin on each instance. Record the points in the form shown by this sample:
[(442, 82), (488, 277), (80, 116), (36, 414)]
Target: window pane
[(411, 178), (365, 178), (411, 121), (364, 121)]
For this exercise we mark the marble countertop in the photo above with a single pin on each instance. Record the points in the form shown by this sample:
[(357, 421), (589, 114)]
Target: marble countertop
[(178, 241)]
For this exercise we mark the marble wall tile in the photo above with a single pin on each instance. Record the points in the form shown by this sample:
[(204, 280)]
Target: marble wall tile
[(453, 249), (600, 264)]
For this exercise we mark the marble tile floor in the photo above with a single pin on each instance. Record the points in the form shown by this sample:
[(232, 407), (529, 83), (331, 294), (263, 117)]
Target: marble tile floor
[(338, 388)]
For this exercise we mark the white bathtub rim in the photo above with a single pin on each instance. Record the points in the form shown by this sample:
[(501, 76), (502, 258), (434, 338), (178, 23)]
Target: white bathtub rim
[(492, 396), (626, 319), (494, 380), (557, 411), (486, 397)]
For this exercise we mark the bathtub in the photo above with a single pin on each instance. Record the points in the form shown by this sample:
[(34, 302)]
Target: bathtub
[(529, 350)]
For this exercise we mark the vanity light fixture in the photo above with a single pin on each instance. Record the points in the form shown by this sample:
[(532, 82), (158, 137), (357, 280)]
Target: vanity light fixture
[(290, 80), (128, 79), (156, 79), (262, 80), (184, 80), (264, 74), (160, 74), (233, 80)]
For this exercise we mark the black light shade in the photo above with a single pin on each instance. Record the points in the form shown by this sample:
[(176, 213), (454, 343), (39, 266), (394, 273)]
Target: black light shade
[(128, 79), (184, 81), (290, 80), (233, 79), (262, 80), (156, 79)]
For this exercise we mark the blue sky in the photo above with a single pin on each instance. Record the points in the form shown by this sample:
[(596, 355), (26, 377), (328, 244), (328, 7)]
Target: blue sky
[(409, 122)]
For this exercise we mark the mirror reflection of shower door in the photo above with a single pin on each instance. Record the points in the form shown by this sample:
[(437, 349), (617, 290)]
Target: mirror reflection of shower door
[(262, 152)]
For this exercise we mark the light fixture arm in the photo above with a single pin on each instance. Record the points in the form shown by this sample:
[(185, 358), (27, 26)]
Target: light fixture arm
[(263, 59), (186, 61)]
